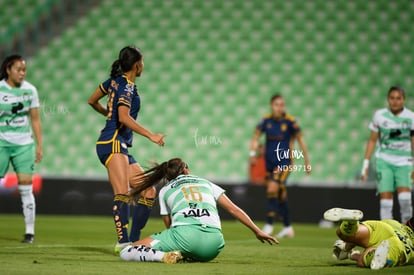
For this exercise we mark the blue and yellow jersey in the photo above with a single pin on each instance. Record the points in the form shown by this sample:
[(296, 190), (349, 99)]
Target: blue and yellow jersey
[(280, 135), (120, 91)]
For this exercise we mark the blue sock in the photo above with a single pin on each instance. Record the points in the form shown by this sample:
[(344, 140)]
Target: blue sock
[(140, 216), (284, 212), (272, 204), (120, 211)]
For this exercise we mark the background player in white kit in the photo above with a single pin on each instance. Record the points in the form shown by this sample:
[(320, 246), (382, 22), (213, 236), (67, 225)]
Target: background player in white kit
[(188, 206), (393, 128), (19, 115)]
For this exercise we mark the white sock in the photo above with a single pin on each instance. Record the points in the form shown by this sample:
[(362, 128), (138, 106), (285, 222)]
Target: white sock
[(406, 208), (386, 209), (141, 253), (29, 207)]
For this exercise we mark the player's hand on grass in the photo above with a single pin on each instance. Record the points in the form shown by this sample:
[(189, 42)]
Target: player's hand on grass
[(263, 237), (158, 139)]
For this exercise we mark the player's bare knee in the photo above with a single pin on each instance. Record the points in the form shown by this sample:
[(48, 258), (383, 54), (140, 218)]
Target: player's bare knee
[(149, 193), (272, 188), (342, 236), (24, 179)]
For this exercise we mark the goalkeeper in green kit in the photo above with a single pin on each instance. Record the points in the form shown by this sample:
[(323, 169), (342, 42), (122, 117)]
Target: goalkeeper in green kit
[(386, 243)]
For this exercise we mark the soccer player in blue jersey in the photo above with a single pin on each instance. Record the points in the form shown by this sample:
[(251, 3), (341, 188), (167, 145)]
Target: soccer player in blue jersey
[(19, 122), (123, 105), (281, 130), (188, 206)]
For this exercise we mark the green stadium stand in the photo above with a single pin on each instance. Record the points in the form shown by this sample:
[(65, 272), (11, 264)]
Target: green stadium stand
[(210, 70)]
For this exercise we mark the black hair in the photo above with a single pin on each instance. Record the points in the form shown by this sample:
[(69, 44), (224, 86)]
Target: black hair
[(168, 170), (126, 59), (275, 96), (7, 64), (396, 88)]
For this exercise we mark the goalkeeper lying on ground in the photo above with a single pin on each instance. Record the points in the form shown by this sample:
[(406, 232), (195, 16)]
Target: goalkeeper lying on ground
[(386, 243)]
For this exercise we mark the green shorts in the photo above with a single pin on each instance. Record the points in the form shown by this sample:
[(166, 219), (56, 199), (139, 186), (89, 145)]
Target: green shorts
[(22, 158), (195, 242), (390, 177)]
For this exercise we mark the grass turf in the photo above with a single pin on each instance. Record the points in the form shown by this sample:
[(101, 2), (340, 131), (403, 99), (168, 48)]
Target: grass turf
[(84, 245)]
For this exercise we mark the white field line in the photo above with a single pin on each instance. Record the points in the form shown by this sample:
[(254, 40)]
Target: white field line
[(50, 246)]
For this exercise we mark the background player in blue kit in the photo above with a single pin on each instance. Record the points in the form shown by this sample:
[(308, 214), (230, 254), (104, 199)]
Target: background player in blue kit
[(281, 130), (123, 105)]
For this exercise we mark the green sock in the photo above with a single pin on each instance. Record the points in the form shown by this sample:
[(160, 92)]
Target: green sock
[(349, 228)]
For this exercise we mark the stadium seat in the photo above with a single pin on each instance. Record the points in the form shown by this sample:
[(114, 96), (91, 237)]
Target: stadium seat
[(211, 67)]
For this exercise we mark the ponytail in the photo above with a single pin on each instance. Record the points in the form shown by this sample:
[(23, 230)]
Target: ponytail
[(116, 69), (127, 57), (166, 171)]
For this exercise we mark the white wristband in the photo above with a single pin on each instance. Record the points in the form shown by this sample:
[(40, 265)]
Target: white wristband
[(252, 153), (365, 165)]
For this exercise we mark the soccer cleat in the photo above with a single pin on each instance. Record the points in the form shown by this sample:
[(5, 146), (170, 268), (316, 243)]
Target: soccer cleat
[(28, 238), (119, 246), (380, 257), (268, 229), (286, 232), (341, 214), (172, 257)]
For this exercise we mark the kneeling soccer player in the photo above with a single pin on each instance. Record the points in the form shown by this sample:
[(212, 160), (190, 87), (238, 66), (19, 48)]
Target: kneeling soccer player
[(188, 205), (386, 243)]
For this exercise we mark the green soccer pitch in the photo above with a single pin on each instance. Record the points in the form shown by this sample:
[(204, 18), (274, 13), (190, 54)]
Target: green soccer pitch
[(84, 245)]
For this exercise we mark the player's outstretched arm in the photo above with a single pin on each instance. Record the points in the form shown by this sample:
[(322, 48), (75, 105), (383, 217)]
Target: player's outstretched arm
[(129, 122), (239, 214)]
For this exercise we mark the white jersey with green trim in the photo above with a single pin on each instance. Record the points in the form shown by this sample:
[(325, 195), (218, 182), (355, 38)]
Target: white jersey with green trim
[(190, 200), (394, 135), (15, 104)]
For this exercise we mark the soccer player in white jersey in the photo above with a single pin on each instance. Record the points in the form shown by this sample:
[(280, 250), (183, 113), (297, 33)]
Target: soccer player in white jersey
[(19, 120), (393, 129), (188, 206)]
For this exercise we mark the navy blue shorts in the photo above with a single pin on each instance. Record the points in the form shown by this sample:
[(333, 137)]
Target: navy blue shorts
[(277, 172), (106, 149)]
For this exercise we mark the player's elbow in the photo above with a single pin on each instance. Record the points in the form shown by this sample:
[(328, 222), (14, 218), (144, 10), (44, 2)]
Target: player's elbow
[(123, 119), (91, 102)]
